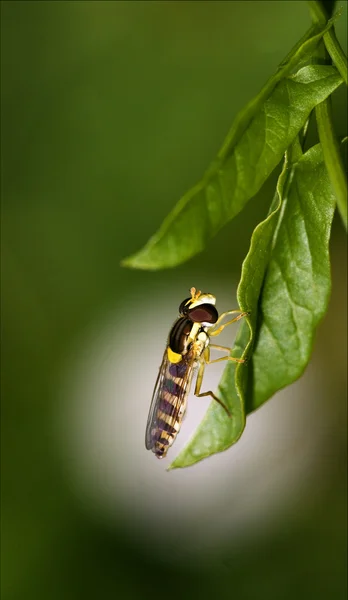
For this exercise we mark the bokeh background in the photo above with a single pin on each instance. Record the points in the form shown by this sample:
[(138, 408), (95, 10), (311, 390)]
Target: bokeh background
[(110, 111)]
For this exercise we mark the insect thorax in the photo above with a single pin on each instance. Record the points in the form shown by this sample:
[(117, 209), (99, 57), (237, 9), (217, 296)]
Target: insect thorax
[(186, 335)]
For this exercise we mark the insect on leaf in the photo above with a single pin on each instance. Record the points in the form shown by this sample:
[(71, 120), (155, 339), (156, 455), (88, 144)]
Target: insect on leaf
[(216, 432), (286, 277)]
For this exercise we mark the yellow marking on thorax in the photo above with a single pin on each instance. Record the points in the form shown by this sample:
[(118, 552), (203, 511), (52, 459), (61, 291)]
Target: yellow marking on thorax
[(174, 357)]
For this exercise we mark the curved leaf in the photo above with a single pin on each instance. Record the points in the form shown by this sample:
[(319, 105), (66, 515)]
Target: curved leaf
[(297, 286), (243, 165), (286, 275)]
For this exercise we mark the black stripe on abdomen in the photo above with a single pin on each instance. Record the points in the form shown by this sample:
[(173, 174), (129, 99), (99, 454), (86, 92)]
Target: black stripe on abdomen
[(164, 441), (166, 407), (172, 387), (163, 426)]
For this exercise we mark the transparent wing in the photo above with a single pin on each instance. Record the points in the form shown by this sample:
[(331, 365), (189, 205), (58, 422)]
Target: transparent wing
[(156, 396), (169, 400)]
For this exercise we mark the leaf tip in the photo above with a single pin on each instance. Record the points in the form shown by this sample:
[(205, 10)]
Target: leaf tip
[(126, 262), (171, 466), (178, 463), (137, 261)]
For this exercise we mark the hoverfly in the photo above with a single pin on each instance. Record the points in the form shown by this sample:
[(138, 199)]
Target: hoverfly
[(188, 347)]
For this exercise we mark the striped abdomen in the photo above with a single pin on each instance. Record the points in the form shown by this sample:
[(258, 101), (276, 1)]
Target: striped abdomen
[(171, 405)]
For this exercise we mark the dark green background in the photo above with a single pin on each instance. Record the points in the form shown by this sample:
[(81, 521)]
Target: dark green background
[(110, 111)]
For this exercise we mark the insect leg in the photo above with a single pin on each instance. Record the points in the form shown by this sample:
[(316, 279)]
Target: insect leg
[(217, 331), (232, 358), (199, 380), (215, 347)]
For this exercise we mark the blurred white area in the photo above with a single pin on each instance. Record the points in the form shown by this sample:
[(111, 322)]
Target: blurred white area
[(281, 458)]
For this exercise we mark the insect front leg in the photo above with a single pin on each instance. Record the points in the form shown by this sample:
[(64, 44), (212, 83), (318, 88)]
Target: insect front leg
[(205, 360), (217, 330)]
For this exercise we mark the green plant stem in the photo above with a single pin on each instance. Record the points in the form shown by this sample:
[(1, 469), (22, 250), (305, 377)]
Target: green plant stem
[(338, 57), (330, 147), (332, 157), (331, 42)]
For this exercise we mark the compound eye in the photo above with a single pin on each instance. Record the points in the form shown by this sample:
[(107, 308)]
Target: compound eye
[(204, 313), (184, 306)]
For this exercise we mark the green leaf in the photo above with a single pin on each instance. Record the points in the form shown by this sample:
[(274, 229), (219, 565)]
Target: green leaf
[(246, 160), (285, 284), (297, 285)]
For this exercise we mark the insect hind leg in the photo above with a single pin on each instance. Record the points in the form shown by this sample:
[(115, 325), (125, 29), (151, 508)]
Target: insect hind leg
[(199, 380), (224, 348)]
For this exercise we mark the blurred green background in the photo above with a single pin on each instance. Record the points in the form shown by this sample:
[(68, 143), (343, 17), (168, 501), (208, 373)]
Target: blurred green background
[(110, 111)]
